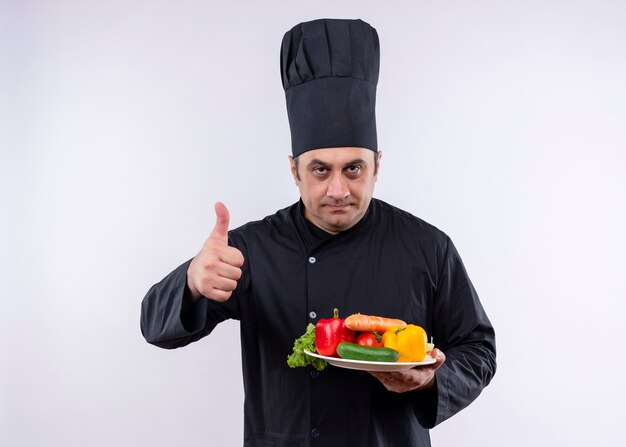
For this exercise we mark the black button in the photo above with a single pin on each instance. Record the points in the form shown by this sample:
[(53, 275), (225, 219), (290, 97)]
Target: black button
[(315, 433), (315, 374)]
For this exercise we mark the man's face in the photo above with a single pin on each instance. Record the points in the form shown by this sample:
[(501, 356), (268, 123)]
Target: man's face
[(336, 185)]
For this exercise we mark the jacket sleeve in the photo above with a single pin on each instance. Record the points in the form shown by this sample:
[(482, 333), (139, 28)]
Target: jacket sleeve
[(162, 321), (462, 330)]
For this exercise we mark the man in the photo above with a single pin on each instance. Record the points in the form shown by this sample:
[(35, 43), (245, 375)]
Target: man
[(336, 247)]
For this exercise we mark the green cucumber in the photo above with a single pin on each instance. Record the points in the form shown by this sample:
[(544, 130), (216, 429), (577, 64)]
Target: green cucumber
[(353, 351)]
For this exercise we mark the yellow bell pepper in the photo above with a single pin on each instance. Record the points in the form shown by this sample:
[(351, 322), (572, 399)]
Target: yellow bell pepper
[(409, 341)]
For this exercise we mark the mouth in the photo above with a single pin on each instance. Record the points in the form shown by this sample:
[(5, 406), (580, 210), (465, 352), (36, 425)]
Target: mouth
[(338, 207)]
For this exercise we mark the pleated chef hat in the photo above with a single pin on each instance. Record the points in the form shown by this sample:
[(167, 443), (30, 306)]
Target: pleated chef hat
[(329, 70)]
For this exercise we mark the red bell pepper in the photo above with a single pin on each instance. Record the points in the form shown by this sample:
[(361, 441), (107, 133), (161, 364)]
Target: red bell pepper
[(330, 332)]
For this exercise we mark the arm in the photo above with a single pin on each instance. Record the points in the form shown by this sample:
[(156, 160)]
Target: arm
[(188, 303), (462, 330), (163, 322)]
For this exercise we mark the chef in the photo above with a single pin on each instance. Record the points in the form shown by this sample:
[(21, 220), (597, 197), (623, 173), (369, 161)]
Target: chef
[(337, 247)]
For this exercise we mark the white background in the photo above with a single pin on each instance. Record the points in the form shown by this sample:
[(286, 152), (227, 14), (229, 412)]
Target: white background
[(122, 122)]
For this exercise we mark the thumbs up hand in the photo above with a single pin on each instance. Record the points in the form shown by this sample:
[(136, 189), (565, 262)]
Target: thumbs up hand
[(214, 272)]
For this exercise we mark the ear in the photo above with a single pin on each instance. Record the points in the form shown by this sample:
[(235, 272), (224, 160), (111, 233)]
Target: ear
[(294, 170), (379, 156)]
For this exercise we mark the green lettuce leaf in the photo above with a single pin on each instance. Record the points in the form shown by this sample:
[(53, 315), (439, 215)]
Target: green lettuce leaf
[(299, 358)]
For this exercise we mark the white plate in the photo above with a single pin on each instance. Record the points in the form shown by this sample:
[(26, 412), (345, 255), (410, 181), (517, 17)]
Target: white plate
[(362, 365)]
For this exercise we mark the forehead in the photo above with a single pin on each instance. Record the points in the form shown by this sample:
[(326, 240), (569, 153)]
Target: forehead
[(336, 155)]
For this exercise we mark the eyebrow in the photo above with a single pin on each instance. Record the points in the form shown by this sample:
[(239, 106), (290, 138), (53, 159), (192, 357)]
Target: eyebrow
[(317, 161)]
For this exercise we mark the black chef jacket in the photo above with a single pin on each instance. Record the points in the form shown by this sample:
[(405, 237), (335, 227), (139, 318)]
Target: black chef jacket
[(391, 264)]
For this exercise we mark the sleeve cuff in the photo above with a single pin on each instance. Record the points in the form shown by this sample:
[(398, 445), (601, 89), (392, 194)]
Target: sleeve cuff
[(192, 318)]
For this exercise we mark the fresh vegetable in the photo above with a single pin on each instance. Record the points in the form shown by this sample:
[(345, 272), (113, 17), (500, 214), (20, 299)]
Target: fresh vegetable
[(369, 323), (330, 332), (430, 346), (353, 351), (410, 342), (369, 339), (299, 358)]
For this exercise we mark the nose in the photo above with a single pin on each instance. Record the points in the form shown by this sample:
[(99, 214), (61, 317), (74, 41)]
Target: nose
[(337, 187)]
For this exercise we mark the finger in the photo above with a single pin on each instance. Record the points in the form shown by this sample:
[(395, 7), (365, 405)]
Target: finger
[(232, 256), (388, 380), (219, 295), (404, 376), (439, 356), (383, 376), (225, 284), (220, 230), (228, 271)]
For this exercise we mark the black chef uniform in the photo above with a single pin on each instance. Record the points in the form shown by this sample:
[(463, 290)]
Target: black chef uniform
[(390, 263)]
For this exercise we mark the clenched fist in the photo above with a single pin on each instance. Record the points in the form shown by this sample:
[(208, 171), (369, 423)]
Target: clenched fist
[(214, 272)]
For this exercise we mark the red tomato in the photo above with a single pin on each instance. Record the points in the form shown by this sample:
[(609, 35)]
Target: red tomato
[(369, 339)]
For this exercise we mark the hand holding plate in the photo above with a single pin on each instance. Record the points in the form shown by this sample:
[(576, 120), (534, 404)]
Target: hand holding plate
[(421, 378)]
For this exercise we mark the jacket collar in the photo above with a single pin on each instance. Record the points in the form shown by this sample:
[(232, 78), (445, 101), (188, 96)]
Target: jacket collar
[(314, 237)]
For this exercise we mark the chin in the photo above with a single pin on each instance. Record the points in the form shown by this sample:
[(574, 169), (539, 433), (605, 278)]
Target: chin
[(341, 225)]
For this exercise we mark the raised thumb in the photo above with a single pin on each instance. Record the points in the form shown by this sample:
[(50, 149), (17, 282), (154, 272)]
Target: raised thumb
[(220, 230)]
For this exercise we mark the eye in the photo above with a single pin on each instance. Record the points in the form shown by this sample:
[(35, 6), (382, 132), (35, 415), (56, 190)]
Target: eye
[(353, 170), (320, 170)]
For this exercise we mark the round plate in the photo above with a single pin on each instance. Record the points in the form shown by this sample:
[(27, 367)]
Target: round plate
[(362, 365)]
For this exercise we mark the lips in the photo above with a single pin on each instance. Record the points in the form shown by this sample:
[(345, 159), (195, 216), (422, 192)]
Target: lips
[(341, 207)]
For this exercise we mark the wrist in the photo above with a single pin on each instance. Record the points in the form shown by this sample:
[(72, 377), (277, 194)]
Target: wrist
[(191, 293), (431, 384)]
